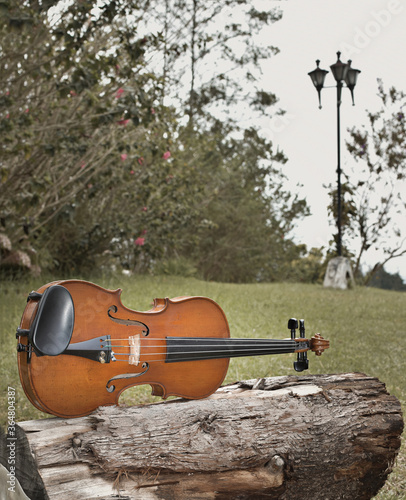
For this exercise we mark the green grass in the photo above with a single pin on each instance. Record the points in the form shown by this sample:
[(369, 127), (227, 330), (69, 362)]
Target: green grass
[(366, 328)]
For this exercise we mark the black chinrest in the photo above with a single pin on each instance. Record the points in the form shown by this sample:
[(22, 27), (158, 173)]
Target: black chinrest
[(52, 328)]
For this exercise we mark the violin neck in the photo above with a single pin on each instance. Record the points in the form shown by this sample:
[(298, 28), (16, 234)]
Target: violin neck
[(202, 348)]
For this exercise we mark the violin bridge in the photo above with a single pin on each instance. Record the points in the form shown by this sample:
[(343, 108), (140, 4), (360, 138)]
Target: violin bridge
[(135, 350)]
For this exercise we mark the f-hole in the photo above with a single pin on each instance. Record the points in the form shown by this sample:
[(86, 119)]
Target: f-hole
[(111, 388), (127, 322)]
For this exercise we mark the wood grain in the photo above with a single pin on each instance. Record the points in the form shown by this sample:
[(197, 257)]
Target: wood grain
[(327, 436)]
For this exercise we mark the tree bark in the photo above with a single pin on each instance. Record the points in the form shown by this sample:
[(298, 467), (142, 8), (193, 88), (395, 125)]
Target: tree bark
[(321, 436)]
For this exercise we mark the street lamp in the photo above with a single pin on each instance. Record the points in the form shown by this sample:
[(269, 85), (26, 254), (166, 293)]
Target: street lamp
[(342, 72)]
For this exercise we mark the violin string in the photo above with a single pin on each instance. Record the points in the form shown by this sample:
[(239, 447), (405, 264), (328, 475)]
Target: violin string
[(212, 339), (240, 347), (249, 345), (180, 359), (185, 355), (225, 351)]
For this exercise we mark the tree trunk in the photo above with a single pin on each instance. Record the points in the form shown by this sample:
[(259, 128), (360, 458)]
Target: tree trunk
[(321, 436)]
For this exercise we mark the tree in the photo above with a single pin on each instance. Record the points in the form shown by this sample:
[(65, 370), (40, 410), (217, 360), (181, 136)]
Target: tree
[(96, 168), (210, 53), (243, 216), (75, 102), (388, 281), (377, 207), (348, 211)]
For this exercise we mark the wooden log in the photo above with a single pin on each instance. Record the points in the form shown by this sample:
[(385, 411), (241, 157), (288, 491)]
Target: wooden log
[(320, 436)]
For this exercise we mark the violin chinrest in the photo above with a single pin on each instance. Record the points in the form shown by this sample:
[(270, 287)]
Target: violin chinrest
[(52, 328)]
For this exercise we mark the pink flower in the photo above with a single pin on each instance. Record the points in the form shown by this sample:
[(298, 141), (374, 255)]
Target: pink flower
[(123, 156), (119, 93), (166, 155), (152, 111), (132, 172), (144, 209), (123, 122), (82, 166), (73, 93), (139, 241), (27, 110), (141, 160)]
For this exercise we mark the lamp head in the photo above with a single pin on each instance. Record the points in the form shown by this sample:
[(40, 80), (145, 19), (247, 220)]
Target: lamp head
[(318, 76), (352, 76), (339, 69), (351, 79)]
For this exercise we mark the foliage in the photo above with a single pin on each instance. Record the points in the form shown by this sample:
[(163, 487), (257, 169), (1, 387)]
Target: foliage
[(378, 208), (387, 281), (348, 211), (73, 106), (207, 50), (242, 214), (308, 267), (96, 170), (176, 266)]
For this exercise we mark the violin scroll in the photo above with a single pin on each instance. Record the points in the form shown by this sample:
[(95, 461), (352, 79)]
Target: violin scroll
[(318, 344)]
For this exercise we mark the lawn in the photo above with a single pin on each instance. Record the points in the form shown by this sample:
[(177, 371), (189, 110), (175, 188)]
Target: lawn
[(366, 328)]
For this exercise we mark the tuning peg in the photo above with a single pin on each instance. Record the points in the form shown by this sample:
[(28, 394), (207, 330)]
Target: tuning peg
[(302, 328), (301, 363), (293, 325)]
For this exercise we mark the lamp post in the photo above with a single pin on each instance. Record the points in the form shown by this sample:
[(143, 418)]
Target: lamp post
[(342, 72)]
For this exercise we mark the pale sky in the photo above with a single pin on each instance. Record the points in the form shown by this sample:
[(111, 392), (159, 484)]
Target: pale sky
[(369, 32)]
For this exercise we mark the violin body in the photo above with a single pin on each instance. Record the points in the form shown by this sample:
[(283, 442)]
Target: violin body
[(72, 386), (79, 347)]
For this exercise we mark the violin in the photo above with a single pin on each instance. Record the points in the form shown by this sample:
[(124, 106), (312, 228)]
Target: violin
[(79, 347)]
